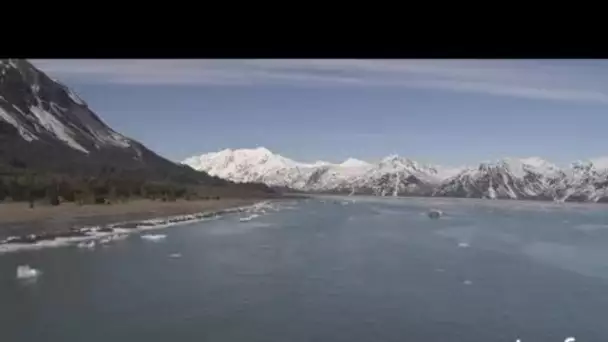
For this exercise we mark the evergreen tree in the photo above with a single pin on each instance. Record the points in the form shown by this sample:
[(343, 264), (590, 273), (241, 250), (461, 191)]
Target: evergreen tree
[(51, 195), (112, 195), (3, 190)]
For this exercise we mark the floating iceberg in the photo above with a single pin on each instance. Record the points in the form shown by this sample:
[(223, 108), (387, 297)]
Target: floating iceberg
[(117, 237), (175, 255), (249, 218), (86, 244), (26, 272), (105, 240), (435, 213), (153, 237)]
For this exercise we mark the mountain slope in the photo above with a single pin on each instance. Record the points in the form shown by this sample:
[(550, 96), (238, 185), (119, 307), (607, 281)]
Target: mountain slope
[(511, 178), (46, 127)]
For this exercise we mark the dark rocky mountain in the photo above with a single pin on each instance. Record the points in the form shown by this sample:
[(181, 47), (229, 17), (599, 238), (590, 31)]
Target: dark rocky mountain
[(45, 126)]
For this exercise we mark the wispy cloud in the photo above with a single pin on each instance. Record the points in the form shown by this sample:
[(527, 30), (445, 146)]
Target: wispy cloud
[(565, 81)]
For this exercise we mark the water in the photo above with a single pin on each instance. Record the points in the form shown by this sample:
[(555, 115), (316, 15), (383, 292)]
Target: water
[(375, 270)]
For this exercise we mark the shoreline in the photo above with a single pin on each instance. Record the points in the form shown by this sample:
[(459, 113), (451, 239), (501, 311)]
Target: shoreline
[(36, 235)]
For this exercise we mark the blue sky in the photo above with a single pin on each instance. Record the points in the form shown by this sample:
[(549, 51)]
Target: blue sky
[(449, 112)]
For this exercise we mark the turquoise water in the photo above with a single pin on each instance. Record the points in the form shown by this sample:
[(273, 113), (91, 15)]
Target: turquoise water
[(375, 270)]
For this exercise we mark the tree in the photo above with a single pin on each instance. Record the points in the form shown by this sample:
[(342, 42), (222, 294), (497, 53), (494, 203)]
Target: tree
[(52, 194), (112, 193), (3, 190)]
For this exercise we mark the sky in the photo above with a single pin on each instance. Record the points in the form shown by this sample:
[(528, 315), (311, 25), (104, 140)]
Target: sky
[(440, 111)]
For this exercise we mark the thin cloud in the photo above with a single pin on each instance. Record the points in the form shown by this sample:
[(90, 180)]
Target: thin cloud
[(520, 79), (545, 93)]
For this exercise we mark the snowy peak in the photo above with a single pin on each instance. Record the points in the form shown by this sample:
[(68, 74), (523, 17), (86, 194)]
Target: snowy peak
[(240, 158), (251, 165), (518, 167), (531, 164), (352, 162), (511, 178), (397, 163), (258, 152), (537, 162)]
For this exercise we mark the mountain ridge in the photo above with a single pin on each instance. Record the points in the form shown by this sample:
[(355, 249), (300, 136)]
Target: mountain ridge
[(508, 178), (48, 131), (39, 115)]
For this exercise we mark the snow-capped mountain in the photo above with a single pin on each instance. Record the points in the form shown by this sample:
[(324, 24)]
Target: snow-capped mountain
[(529, 178), (510, 178), (392, 175), (584, 181), (254, 165)]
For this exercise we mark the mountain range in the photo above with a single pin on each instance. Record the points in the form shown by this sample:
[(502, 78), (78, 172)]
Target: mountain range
[(510, 178)]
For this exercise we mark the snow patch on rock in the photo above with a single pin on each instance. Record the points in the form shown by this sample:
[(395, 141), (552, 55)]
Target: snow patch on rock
[(54, 126), (75, 97), (24, 132)]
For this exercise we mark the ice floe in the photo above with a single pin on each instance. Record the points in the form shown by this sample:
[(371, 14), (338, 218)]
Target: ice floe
[(86, 244), (154, 237), (27, 272), (435, 213), (248, 218)]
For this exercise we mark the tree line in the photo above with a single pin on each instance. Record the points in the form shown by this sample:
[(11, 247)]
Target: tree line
[(54, 189), (110, 184)]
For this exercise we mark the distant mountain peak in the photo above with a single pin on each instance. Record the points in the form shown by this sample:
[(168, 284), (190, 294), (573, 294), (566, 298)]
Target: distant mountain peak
[(353, 162), (263, 150), (391, 157), (513, 178)]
